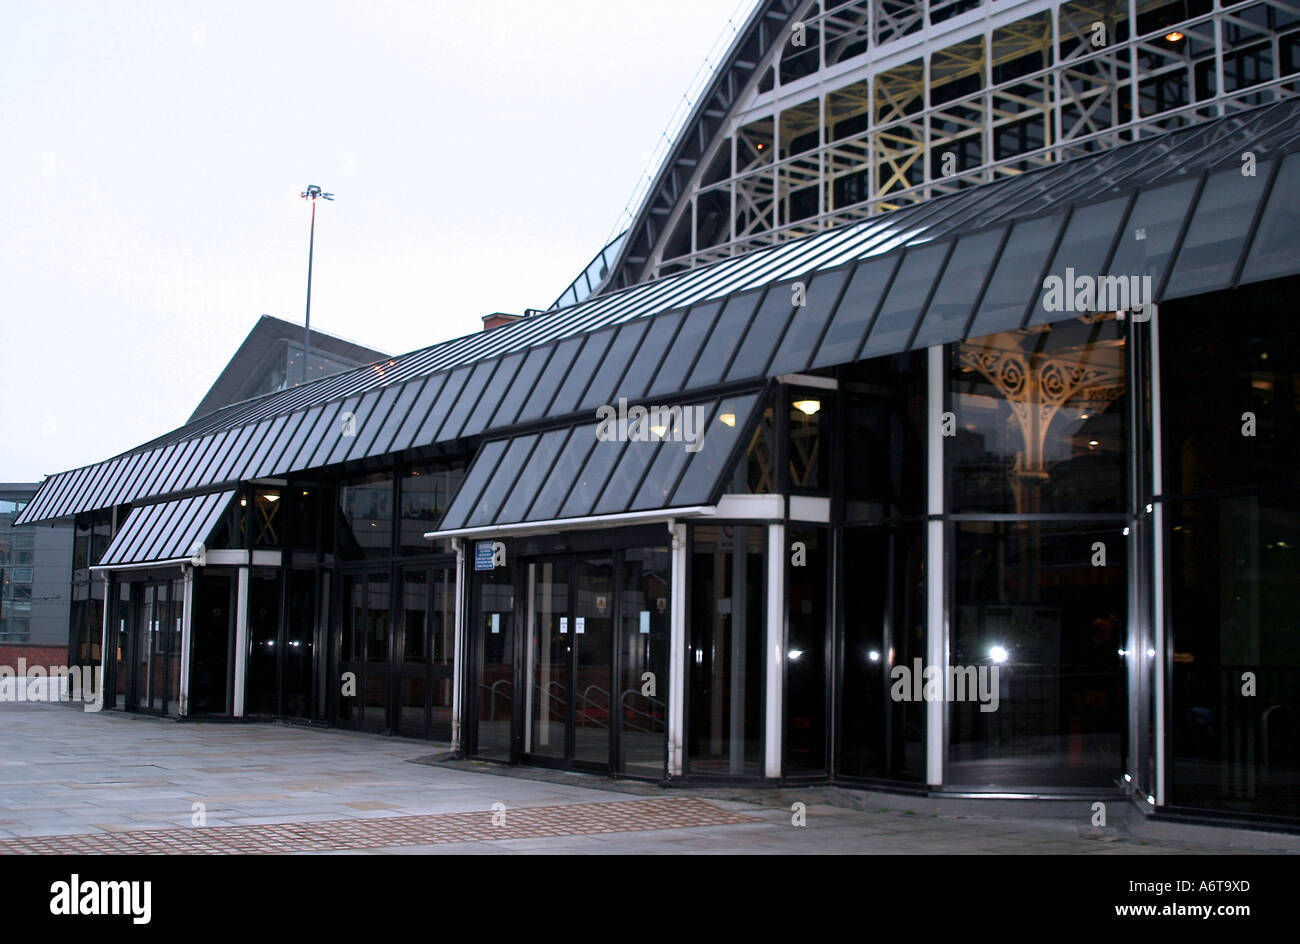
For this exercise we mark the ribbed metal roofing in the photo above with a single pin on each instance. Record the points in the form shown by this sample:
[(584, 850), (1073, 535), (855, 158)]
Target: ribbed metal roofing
[(1176, 207), (166, 531)]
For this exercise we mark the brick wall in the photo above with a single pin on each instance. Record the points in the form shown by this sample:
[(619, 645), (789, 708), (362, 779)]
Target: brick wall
[(10, 653)]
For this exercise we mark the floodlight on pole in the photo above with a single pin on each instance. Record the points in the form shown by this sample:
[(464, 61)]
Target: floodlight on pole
[(311, 195)]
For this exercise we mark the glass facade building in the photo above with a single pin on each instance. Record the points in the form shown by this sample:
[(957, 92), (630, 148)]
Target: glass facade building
[(992, 493)]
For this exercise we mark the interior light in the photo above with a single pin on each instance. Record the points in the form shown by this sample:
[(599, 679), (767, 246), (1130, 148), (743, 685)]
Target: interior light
[(1174, 37), (998, 654), (1083, 416), (873, 656), (271, 496), (1093, 442), (1128, 778), (727, 419), (1151, 800), (1151, 653), (243, 503), (808, 407), (795, 654), (659, 431)]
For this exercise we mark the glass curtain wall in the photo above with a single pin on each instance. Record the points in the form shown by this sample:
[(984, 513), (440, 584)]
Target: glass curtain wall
[(1231, 432), (1037, 479)]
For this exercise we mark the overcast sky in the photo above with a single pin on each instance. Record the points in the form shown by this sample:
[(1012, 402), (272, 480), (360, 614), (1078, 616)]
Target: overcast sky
[(152, 154)]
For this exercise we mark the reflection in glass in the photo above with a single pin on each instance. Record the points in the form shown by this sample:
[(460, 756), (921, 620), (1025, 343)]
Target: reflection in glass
[(724, 727), (1041, 420), (643, 637)]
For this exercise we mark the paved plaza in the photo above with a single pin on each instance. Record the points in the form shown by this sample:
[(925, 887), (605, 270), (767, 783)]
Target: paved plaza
[(77, 782)]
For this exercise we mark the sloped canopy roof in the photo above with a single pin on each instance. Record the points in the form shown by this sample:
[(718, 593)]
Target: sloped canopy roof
[(165, 532), (1177, 208)]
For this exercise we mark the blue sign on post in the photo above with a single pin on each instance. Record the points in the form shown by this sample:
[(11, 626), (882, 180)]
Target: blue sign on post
[(483, 554)]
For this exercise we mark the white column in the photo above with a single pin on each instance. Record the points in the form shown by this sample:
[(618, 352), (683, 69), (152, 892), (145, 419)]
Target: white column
[(677, 652), (936, 648), (774, 682), (459, 645), (241, 641), (187, 646)]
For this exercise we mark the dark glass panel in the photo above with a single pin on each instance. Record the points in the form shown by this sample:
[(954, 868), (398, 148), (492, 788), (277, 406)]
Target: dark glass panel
[(495, 636), (525, 487), (366, 508), (1218, 231), (902, 308), (1037, 625), (685, 349), (719, 438), (1231, 388), (397, 416), (805, 328), (728, 332), (764, 332), (588, 485), (605, 387), (963, 279), (585, 365), (661, 480), (1083, 250), (807, 646), (490, 401), (644, 639), (724, 725), (1015, 282), (350, 428), (476, 479), (539, 400), (1041, 420), (258, 464), (418, 412), (648, 357), (514, 464), (1273, 250), (884, 627), (459, 410), (429, 431), (884, 437), (856, 309), (1151, 230), (524, 381), (426, 493), (367, 441), (1235, 698), (562, 474), (329, 429)]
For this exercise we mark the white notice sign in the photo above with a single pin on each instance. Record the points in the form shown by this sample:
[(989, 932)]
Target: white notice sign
[(564, 624), (580, 624)]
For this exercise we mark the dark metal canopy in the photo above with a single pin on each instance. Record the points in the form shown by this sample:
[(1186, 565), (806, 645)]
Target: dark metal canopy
[(1179, 209), (167, 531)]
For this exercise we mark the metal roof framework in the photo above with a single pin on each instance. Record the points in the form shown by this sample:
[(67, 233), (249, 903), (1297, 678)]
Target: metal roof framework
[(1179, 208)]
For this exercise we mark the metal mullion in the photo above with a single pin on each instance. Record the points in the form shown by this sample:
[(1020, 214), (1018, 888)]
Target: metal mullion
[(330, 412), (1177, 247), (988, 280), (1253, 229), (929, 295), (187, 471), (289, 461), (417, 384), (485, 478), (1043, 270), (435, 431), (433, 388), (94, 484), (487, 385), (157, 519), (140, 528), (273, 437), (203, 472), (574, 432), (125, 476), (394, 392), (880, 303), (171, 479), (69, 502), (168, 524), (244, 465), (149, 484), (514, 481), (830, 314), (115, 467)]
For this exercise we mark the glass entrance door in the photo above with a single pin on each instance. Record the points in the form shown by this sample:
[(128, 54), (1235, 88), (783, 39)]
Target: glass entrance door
[(550, 653), (426, 651), (570, 646)]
